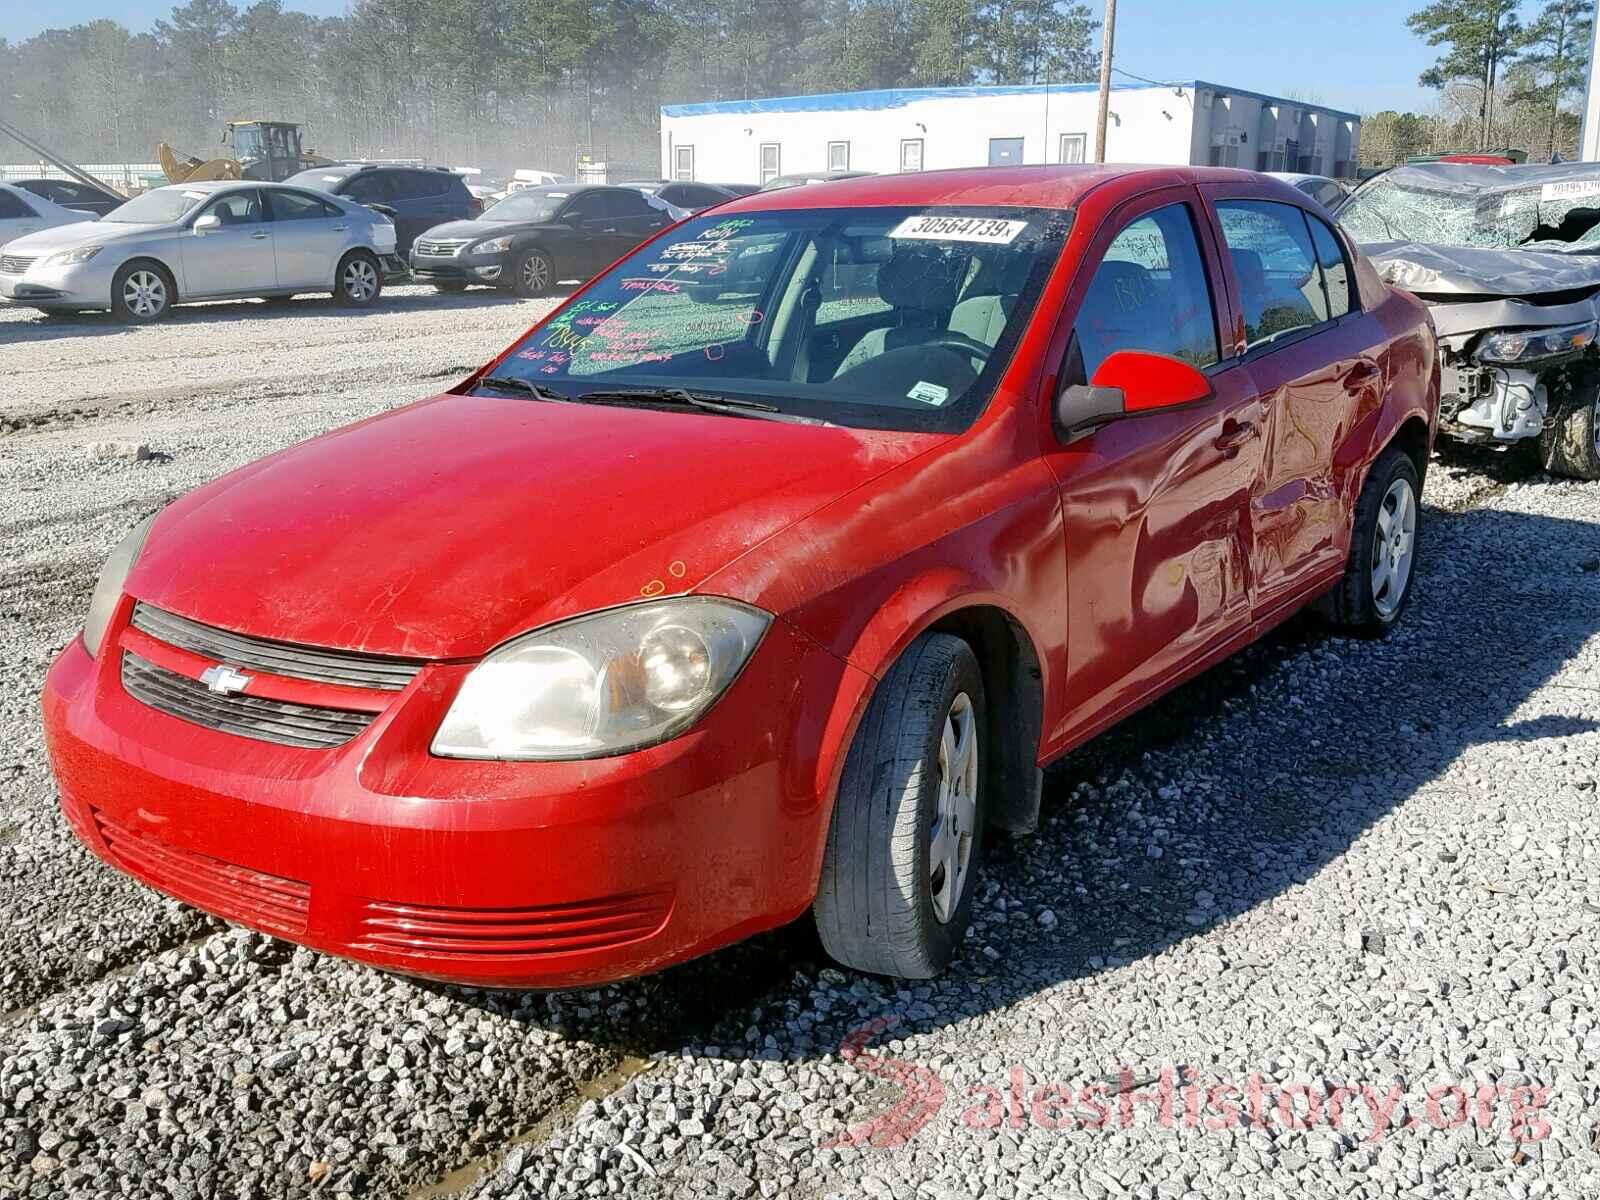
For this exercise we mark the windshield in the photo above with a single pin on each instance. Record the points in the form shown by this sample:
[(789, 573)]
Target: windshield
[(526, 206), (891, 318), (159, 207), (1559, 217)]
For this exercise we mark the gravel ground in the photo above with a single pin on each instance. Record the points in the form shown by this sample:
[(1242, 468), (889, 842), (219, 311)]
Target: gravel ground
[(1326, 863)]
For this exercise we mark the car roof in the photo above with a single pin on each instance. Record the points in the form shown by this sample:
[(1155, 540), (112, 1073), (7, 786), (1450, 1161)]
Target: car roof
[(1018, 187)]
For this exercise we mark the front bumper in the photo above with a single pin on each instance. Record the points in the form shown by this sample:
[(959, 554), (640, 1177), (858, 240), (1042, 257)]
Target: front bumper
[(487, 269), (82, 285), (484, 873)]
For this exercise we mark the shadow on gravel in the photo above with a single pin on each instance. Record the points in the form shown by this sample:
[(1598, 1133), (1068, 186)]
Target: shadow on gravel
[(1249, 779), (45, 327)]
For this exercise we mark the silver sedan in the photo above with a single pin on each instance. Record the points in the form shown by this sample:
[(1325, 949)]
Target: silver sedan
[(205, 241)]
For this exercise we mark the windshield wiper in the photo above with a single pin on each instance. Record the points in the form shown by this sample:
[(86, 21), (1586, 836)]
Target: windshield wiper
[(683, 398), (510, 383)]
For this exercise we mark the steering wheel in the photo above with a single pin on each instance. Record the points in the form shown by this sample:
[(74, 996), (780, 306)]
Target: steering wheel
[(962, 344)]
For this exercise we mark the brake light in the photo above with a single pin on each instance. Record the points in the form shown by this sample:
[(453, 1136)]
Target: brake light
[(475, 205)]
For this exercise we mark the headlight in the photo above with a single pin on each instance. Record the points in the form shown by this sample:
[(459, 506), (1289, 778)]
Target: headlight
[(80, 254), (607, 684), (497, 245), (1530, 345), (108, 590)]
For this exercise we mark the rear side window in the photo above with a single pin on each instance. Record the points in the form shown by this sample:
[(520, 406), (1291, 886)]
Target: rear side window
[(368, 189), (1280, 285), (12, 207), (1336, 273), (423, 183), (298, 206), (1149, 293)]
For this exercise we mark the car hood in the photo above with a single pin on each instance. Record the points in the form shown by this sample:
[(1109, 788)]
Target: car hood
[(481, 229), (444, 528), (1475, 289), (76, 233)]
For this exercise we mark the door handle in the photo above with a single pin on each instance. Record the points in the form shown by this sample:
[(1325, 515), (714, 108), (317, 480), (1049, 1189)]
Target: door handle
[(609, 229), (340, 228), (262, 236), (1233, 436), (1364, 372)]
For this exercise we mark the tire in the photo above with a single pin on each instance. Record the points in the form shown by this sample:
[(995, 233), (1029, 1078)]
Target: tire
[(1384, 543), (532, 274), (359, 280), (887, 902), (142, 292), (1569, 444), (450, 286)]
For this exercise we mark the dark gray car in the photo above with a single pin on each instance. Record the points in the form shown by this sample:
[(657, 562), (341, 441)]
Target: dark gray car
[(538, 236)]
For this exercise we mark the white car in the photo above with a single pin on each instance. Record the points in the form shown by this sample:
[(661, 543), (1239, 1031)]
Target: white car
[(1329, 193), (23, 213), (205, 241)]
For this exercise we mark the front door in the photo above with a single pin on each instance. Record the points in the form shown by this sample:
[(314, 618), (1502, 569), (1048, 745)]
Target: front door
[(588, 247), (1156, 508), (1314, 356), (236, 259)]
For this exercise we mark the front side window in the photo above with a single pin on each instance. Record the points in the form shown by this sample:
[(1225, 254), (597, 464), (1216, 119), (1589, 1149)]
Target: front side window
[(1149, 293), (893, 318), (1280, 285), (237, 208)]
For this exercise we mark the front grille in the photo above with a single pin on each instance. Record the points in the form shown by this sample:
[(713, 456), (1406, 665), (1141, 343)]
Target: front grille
[(507, 932), (277, 721), (254, 897), (276, 658), (15, 264), (441, 247)]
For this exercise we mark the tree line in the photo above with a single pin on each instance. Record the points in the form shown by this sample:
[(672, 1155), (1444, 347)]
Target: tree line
[(504, 83)]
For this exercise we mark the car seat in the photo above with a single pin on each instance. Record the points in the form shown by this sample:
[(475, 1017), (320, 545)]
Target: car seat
[(921, 284)]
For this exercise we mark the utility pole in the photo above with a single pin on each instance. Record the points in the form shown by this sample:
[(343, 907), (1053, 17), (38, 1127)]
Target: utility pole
[(1109, 37)]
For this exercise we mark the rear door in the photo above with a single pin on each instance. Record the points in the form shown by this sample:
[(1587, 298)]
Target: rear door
[(1316, 358), (238, 258), (416, 204), (308, 235), (1156, 508)]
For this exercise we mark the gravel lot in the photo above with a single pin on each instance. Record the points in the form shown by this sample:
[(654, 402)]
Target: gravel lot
[(1326, 863)]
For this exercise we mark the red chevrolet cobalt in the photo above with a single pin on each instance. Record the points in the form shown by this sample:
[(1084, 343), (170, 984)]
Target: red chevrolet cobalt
[(761, 577)]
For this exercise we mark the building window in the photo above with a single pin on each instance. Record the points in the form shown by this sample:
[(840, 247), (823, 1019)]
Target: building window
[(683, 162), (1073, 146), (769, 161), (911, 154), (838, 156)]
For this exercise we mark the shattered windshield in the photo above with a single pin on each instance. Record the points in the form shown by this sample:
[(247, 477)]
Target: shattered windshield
[(1563, 217), (888, 318)]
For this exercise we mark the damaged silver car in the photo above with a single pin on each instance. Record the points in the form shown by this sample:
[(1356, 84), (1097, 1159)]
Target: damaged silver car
[(1508, 260)]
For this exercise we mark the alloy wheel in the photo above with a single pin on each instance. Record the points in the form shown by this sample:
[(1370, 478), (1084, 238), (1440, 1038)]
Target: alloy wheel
[(956, 809), (360, 280), (1393, 547), (535, 273), (144, 293)]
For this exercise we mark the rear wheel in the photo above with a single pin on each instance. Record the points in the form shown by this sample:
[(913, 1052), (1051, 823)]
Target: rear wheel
[(1383, 549), (142, 292), (358, 282), (900, 867), (532, 274), (1569, 444)]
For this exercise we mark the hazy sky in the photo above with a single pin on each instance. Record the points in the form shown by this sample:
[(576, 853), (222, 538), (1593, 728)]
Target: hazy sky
[(1350, 54)]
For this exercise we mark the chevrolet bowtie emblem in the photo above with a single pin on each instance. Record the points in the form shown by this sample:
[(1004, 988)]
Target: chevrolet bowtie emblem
[(224, 680)]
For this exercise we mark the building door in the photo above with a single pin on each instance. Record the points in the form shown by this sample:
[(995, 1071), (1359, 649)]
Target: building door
[(1073, 146), (1005, 152), (683, 162), (911, 154), (769, 161)]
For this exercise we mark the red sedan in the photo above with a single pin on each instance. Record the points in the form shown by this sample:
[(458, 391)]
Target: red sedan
[(761, 577)]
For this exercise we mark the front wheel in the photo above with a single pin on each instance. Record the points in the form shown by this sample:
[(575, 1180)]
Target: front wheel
[(532, 274), (900, 867), (142, 292), (358, 282), (1569, 444), (1383, 550)]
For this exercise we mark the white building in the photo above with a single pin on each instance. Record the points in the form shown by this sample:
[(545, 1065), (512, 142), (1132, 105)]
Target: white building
[(915, 129)]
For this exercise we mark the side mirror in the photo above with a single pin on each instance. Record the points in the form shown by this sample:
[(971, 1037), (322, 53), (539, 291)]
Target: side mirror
[(204, 225), (1130, 383)]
